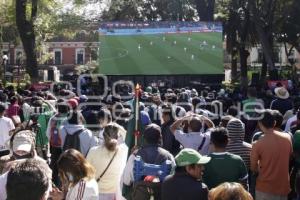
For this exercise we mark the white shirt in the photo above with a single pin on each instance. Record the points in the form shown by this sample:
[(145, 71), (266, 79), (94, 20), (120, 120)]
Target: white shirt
[(3, 180), (193, 140), (99, 157), (6, 125), (83, 190), (289, 123)]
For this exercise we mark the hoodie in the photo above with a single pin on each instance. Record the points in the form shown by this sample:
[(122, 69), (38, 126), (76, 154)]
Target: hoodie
[(87, 140), (236, 144)]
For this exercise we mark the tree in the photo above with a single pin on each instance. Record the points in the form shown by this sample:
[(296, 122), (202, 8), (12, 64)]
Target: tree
[(205, 9), (25, 19)]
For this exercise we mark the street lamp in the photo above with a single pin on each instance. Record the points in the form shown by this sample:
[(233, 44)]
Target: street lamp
[(5, 59)]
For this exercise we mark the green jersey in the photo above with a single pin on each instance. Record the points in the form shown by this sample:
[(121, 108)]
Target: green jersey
[(224, 167)]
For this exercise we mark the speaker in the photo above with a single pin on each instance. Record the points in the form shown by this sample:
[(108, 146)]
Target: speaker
[(274, 75), (50, 75)]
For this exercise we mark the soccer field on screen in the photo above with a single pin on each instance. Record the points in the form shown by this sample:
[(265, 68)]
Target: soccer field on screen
[(162, 54)]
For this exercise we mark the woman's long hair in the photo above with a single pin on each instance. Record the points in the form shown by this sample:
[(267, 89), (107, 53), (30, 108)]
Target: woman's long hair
[(229, 191), (110, 135), (72, 162)]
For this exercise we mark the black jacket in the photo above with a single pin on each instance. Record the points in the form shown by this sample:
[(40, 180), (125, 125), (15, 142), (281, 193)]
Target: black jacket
[(182, 186)]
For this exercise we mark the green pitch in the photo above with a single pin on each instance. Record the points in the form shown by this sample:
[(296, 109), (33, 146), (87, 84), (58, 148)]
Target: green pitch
[(196, 53)]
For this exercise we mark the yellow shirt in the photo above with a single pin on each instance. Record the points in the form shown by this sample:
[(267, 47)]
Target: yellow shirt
[(99, 157)]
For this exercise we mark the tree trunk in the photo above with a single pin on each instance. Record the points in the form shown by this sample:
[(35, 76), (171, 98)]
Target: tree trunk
[(244, 68), (205, 9), (233, 66), (27, 35), (263, 73)]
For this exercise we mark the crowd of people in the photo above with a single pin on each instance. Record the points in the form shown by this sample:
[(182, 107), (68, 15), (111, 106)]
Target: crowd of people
[(171, 145)]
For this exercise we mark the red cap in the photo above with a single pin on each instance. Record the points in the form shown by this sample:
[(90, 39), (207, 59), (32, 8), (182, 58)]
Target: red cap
[(73, 103)]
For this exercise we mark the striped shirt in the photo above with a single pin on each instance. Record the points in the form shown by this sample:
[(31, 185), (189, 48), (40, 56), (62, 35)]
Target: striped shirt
[(83, 190), (236, 145)]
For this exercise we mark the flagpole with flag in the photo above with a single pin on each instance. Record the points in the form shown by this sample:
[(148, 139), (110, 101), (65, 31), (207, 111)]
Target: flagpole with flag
[(137, 114)]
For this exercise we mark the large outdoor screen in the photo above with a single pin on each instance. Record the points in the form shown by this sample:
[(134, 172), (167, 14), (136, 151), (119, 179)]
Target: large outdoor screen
[(160, 48)]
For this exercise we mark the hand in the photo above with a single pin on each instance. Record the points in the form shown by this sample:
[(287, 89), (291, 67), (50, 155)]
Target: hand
[(56, 194)]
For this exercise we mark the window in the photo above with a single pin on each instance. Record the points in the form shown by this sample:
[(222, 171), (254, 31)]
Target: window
[(57, 56), (80, 56)]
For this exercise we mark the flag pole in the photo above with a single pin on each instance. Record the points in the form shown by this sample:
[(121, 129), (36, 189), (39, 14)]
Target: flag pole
[(137, 114)]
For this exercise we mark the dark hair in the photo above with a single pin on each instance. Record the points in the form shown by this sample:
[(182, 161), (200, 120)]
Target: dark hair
[(27, 181), (2, 108), (172, 98), (196, 101), (278, 118), (268, 119), (74, 118), (13, 99), (219, 137), (104, 114), (62, 107), (73, 162), (195, 124), (167, 110), (110, 135), (252, 92), (152, 134), (233, 111)]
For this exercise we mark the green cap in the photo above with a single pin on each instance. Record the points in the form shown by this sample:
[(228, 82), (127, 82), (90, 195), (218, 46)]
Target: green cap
[(189, 156)]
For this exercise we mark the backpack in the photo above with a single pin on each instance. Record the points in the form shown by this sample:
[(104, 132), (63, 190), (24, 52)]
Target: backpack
[(72, 141), (55, 138), (146, 188)]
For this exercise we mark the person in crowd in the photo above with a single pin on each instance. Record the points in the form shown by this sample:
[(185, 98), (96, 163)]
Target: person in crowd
[(250, 116), (229, 191), (29, 179), (14, 108), (186, 183), (168, 139), (195, 138), (54, 135), (282, 103), (150, 152), (290, 121), (36, 161), (236, 144), (270, 162), (22, 146), (154, 109), (77, 176), (109, 160), (87, 140), (224, 120), (223, 166), (104, 119), (7, 127)]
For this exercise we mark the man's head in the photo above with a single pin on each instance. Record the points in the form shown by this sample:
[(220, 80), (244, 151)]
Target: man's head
[(28, 180), (195, 124), (219, 138), (267, 121), (152, 134), (192, 161)]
